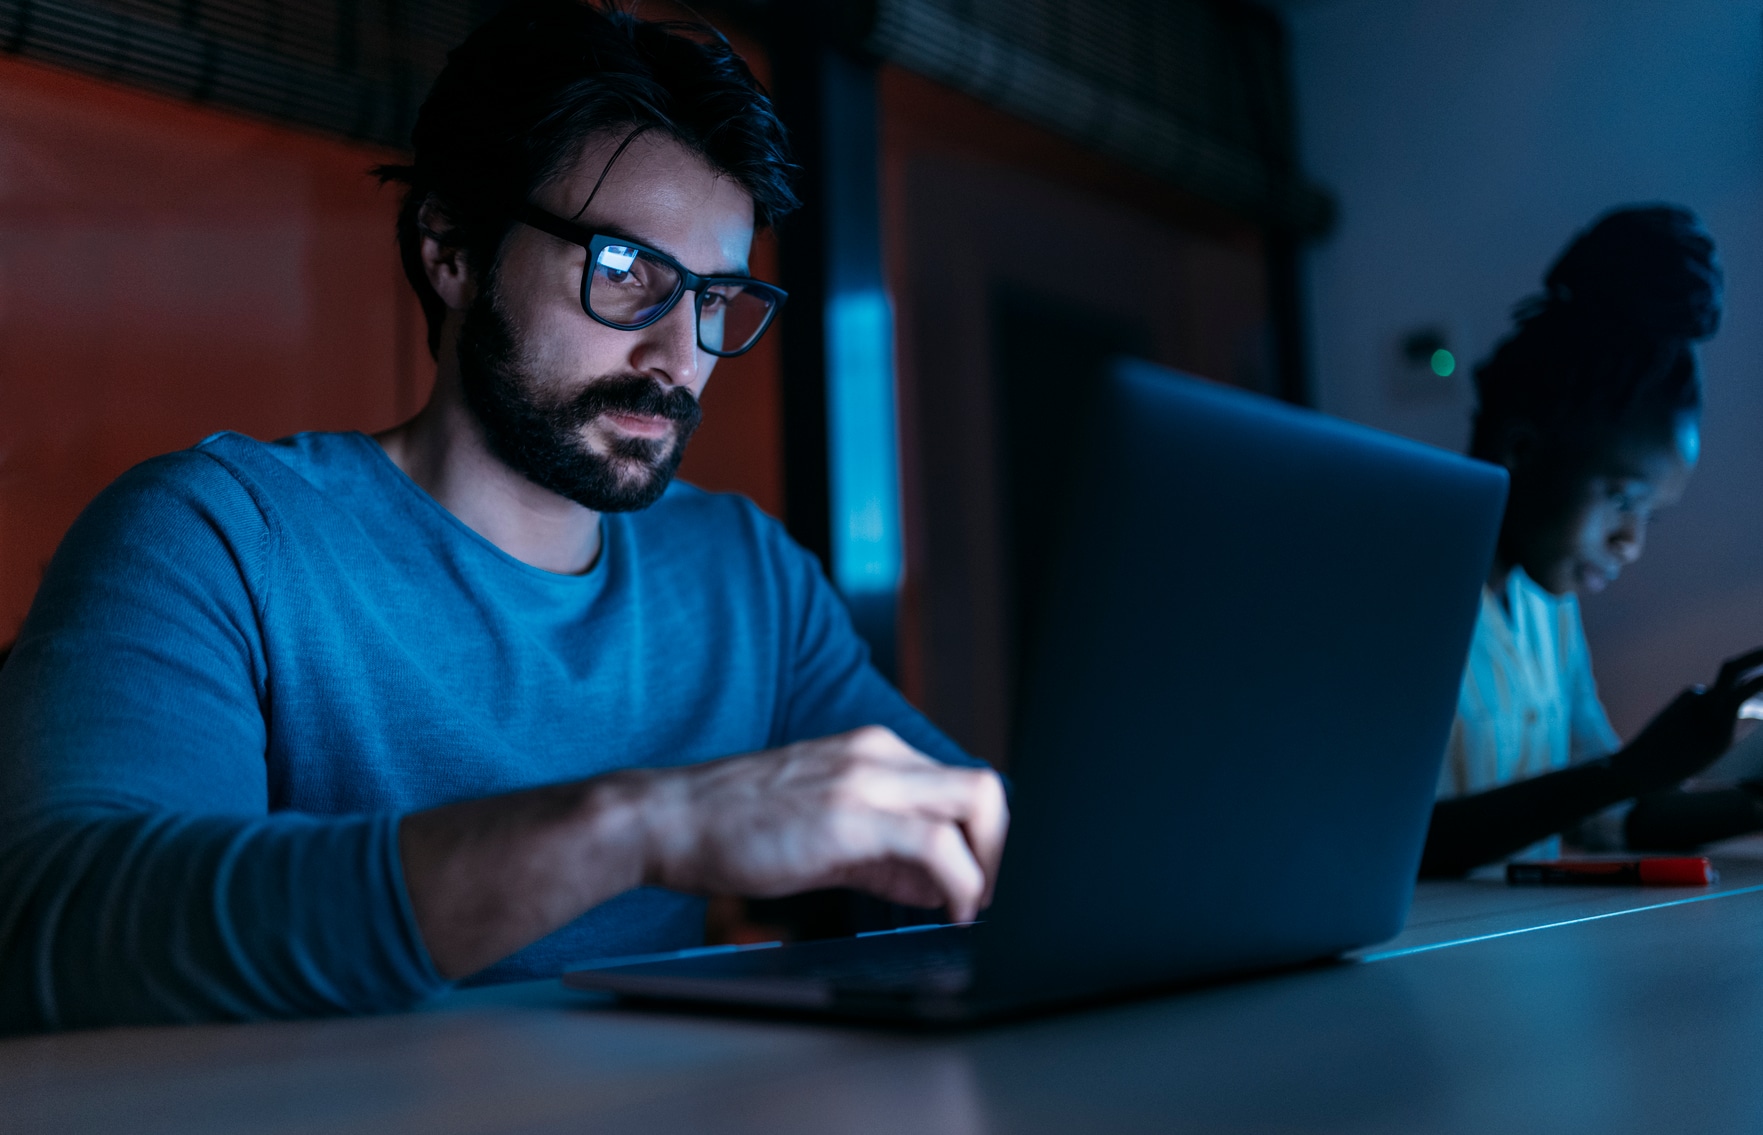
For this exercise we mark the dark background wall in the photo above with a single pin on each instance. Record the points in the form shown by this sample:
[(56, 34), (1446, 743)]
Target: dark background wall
[(1467, 143), (1018, 262)]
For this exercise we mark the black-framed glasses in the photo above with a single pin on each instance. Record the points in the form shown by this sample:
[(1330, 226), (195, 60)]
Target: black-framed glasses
[(628, 286)]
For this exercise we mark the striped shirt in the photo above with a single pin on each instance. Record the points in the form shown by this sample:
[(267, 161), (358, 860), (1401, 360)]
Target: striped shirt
[(1528, 704)]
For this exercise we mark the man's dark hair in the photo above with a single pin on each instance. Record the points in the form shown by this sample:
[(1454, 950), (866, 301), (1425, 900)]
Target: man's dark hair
[(1608, 346), (519, 98)]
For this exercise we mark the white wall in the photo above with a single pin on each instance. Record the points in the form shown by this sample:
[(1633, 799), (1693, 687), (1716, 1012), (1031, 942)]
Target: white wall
[(1467, 140)]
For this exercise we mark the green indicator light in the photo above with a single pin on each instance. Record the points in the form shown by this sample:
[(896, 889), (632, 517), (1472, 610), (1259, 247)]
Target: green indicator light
[(1443, 363)]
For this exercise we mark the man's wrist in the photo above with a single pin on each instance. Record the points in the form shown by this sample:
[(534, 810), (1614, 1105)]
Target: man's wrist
[(488, 876), (612, 822), (641, 817)]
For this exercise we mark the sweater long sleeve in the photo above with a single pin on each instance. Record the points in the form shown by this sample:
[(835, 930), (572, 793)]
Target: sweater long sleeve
[(142, 876), (248, 661)]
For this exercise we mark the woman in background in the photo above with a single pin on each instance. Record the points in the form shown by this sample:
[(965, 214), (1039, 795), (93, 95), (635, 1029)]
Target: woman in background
[(1593, 404)]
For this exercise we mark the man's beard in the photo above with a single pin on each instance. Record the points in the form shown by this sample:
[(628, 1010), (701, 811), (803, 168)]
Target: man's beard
[(542, 440)]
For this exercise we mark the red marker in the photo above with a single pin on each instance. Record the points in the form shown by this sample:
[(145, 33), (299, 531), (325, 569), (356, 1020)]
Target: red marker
[(1654, 871)]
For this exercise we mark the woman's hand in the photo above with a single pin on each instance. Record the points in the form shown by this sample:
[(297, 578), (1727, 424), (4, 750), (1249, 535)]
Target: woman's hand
[(1690, 734)]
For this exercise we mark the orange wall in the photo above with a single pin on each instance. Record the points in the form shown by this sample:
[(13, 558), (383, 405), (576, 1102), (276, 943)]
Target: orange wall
[(740, 447), (168, 270)]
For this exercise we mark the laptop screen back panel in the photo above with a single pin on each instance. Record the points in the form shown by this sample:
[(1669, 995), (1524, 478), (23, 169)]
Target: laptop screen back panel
[(1242, 687)]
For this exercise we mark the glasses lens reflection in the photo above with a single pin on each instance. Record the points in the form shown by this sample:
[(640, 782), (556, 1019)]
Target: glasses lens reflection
[(629, 286)]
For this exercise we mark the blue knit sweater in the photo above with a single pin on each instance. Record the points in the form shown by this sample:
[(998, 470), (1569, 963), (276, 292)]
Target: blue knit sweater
[(247, 660)]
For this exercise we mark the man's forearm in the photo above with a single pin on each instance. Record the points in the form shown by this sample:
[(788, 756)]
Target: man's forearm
[(112, 916), (487, 877)]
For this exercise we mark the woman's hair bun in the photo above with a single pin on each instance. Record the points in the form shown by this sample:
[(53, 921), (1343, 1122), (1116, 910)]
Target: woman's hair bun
[(1651, 267)]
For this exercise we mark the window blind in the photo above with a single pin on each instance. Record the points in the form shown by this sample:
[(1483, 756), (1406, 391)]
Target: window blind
[(1193, 91), (359, 68)]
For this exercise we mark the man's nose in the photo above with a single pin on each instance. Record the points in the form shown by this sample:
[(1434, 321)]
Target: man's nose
[(667, 350)]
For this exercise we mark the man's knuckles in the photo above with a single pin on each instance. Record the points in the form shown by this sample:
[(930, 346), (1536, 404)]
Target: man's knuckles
[(879, 743)]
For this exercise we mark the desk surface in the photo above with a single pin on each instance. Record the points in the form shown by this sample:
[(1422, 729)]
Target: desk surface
[(1498, 1009)]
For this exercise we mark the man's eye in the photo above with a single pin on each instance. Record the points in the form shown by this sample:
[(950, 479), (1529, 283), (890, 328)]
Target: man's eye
[(615, 258), (615, 263)]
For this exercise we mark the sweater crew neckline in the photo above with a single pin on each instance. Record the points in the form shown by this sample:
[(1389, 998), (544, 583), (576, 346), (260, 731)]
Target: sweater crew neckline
[(387, 469)]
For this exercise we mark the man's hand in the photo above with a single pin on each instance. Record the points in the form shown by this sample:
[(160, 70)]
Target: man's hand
[(1690, 734), (862, 809)]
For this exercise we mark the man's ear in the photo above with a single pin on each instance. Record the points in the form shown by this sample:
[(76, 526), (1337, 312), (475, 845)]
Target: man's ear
[(445, 262), (1517, 446)]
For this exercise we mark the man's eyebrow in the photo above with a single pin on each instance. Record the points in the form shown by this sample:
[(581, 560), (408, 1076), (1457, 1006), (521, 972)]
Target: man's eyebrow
[(625, 234)]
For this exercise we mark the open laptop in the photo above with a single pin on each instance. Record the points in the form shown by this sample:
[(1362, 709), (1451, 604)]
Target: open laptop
[(1231, 725)]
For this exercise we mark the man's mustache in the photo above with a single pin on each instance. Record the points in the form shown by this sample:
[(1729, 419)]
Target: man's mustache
[(632, 394)]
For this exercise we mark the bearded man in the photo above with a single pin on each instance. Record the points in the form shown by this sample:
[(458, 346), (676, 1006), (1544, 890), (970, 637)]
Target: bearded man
[(327, 724)]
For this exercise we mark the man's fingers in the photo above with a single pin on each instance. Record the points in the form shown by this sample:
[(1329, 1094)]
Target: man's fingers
[(971, 798), (864, 808), (879, 743), (946, 792), (964, 882), (985, 828), (1735, 668), (940, 850)]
